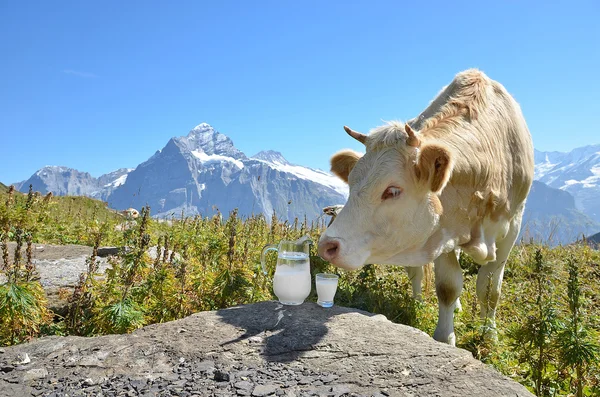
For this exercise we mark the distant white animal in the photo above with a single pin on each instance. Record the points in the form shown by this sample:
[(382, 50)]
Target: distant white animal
[(131, 213), (456, 177)]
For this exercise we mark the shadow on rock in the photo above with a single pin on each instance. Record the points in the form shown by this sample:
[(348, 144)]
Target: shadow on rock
[(281, 333)]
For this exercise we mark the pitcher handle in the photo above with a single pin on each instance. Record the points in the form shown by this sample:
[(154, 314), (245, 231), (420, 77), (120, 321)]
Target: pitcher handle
[(263, 255)]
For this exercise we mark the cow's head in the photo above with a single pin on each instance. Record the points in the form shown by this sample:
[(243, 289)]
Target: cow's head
[(393, 206)]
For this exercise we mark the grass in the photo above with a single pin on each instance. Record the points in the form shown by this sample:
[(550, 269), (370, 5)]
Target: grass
[(548, 319)]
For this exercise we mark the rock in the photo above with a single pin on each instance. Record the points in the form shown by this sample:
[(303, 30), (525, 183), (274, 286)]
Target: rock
[(103, 252), (302, 346), (88, 382), (243, 385), (36, 373), (221, 376), (23, 359), (206, 366), (59, 268), (329, 378), (264, 390)]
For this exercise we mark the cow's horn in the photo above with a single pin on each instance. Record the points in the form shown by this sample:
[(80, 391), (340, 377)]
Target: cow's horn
[(412, 139), (356, 135)]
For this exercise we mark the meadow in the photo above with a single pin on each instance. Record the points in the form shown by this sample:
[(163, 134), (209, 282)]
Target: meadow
[(548, 320)]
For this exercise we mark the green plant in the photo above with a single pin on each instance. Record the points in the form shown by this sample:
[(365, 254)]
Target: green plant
[(22, 300), (532, 339), (577, 346)]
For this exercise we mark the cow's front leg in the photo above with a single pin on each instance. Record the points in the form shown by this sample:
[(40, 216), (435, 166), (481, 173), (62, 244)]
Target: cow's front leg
[(415, 274), (489, 280), (448, 286)]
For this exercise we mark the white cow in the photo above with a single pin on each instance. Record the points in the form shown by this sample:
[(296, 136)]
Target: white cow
[(456, 177), (131, 213)]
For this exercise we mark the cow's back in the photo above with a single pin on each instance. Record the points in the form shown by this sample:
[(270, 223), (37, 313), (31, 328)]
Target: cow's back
[(485, 129)]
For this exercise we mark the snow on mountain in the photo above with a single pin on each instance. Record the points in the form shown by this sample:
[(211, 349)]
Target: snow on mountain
[(577, 172), (208, 158), (278, 162), (270, 156), (65, 181)]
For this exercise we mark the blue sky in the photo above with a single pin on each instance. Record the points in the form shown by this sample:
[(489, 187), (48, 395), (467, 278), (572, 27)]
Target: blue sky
[(102, 85)]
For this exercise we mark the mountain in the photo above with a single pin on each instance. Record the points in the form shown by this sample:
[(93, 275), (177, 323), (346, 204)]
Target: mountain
[(551, 217), (61, 181), (594, 240), (64, 181), (202, 173), (577, 172)]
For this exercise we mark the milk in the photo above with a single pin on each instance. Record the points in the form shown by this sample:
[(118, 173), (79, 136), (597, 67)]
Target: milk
[(291, 282), (326, 289)]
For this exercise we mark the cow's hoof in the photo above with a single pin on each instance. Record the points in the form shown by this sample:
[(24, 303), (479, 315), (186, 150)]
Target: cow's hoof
[(489, 333), (418, 298)]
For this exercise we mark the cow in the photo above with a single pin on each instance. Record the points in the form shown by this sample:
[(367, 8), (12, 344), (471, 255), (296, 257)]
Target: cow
[(131, 213), (454, 178)]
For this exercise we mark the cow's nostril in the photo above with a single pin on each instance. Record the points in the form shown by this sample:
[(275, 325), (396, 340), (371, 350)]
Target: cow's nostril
[(332, 249), (329, 250)]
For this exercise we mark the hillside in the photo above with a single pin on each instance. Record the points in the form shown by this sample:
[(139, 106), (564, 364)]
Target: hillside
[(67, 219)]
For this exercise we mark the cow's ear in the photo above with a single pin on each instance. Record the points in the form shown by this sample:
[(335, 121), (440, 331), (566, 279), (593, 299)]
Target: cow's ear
[(434, 167), (342, 163)]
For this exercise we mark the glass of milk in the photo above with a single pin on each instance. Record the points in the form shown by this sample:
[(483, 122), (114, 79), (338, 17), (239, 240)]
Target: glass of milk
[(326, 287)]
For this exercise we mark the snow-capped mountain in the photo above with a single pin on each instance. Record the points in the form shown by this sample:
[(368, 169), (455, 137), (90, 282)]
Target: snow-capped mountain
[(551, 217), (64, 181), (577, 172), (202, 173)]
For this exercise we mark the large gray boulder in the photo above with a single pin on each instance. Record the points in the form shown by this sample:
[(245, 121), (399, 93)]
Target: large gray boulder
[(260, 349), (59, 268)]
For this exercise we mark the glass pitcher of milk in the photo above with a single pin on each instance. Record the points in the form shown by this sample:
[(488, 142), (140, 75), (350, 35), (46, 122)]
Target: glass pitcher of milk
[(292, 282)]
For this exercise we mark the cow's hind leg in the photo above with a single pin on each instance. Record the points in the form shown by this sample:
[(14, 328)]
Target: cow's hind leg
[(489, 279), (415, 274), (448, 286)]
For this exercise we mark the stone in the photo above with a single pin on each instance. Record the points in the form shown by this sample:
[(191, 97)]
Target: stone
[(88, 382), (221, 376), (302, 347), (329, 378), (103, 252), (264, 390), (243, 385), (35, 373)]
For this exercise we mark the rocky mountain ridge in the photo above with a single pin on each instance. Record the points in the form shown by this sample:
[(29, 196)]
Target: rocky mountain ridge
[(576, 172), (202, 173)]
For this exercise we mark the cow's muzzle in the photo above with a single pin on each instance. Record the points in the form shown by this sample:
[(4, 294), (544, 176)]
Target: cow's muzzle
[(329, 248)]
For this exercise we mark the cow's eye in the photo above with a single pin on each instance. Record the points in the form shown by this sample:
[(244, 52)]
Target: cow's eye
[(391, 192)]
